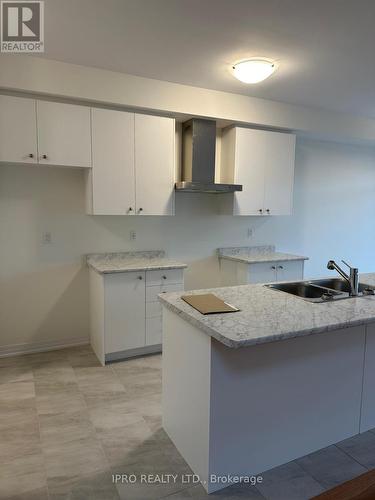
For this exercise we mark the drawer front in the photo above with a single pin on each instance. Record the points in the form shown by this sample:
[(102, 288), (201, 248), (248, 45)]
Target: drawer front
[(166, 276), (153, 331), (153, 310), (152, 292)]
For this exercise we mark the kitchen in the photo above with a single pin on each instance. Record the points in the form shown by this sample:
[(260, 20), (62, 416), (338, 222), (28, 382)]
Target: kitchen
[(116, 138)]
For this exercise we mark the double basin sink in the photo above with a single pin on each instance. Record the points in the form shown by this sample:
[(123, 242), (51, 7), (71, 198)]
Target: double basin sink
[(323, 290)]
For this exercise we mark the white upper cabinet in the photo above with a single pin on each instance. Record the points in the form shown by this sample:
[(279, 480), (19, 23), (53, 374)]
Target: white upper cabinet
[(113, 178), (154, 164), (263, 162), (18, 141), (279, 175), (64, 136), (133, 164)]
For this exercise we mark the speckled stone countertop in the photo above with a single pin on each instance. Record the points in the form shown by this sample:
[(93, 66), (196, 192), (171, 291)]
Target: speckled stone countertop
[(122, 262), (252, 255), (269, 315)]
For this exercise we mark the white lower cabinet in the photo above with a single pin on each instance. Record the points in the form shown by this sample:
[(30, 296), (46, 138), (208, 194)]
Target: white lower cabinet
[(239, 273), (125, 314)]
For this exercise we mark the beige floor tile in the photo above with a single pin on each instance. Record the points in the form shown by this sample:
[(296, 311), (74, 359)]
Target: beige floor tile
[(22, 475), (97, 486), (15, 373), (140, 385), (53, 378), (147, 364), (67, 400), (16, 397), (129, 444), (98, 381), (74, 458), (14, 392), (65, 427), (38, 494), (112, 416), (15, 416), (19, 437)]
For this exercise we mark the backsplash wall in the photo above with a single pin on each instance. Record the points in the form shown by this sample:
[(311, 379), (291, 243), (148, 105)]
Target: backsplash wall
[(44, 287)]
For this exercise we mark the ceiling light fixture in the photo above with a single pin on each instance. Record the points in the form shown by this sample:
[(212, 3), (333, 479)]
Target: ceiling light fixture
[(253, 70)]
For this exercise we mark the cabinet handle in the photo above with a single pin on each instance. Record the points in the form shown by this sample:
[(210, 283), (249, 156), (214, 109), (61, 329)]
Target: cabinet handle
[(164, 277), (273, 267), (140, 277), (260, 210), (130, 209), (30, 155), (140, 210), (268, 210), (44, 157), (280, 267)]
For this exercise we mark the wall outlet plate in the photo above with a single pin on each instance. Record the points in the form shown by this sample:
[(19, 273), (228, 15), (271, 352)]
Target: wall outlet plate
[(47, 238), (132, 235)]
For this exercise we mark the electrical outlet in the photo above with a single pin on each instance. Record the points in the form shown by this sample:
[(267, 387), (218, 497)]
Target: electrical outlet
[(47, 238), (250, 232), (132, 235)]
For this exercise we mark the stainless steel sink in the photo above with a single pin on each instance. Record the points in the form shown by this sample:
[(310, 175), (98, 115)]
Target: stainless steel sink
[(337, 284), (324, 290)]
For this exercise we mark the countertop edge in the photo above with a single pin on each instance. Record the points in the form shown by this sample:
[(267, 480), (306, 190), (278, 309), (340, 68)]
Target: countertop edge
[(250, 260), (236, 344), (137, 269)]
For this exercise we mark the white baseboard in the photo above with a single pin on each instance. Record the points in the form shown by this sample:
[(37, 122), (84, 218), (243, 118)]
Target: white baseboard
[(34, 347)]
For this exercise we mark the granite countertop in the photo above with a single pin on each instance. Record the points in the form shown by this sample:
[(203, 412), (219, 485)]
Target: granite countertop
[(269, 315), (252, 255), (122, 262)]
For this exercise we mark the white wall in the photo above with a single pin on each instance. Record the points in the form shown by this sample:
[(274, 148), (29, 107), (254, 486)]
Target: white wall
[(44, 288)]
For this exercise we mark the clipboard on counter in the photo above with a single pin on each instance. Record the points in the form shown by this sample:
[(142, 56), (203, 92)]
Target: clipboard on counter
[(208, 303)]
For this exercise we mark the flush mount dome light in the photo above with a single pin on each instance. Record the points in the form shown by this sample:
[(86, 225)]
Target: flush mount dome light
[(253, 70)]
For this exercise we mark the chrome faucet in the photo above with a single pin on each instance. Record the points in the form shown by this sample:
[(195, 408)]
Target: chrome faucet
[(352, 278)]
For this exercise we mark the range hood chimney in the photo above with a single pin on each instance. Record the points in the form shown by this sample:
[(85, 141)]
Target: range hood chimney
[(198, 159)]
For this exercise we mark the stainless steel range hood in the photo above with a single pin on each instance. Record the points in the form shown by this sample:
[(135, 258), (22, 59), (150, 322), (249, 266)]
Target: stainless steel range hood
[(198, 159)]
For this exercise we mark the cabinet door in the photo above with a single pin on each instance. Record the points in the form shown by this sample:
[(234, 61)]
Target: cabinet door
[(290, 271), (18, 130), (113, 178), (279, 180), (64, 135), (124, 311), (154, 164), (154, 330), (250, 155), (262, 272)]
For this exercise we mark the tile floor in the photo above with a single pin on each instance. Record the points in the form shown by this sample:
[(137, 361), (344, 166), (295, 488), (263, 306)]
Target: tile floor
[(67, 424)]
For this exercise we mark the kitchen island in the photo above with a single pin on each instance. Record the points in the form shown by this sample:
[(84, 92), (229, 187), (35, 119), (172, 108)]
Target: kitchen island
[(247, 391)]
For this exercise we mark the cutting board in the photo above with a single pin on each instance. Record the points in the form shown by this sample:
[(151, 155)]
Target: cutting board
[(208, 303)]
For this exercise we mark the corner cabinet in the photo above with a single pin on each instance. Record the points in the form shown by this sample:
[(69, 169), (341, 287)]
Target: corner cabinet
[(133, 164), (42, 132), (263, 162), (125, 314)]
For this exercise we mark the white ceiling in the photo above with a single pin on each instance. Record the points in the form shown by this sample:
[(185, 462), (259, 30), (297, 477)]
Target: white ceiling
[(325, 48)]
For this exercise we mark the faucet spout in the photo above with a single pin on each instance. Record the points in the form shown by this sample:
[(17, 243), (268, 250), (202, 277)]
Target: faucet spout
[(351, 278)]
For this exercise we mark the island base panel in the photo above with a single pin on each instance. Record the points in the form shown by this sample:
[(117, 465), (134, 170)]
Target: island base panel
[(186, 391), (244, 411)]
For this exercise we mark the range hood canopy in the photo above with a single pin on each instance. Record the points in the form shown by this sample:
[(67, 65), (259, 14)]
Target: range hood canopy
[(198, 163)]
